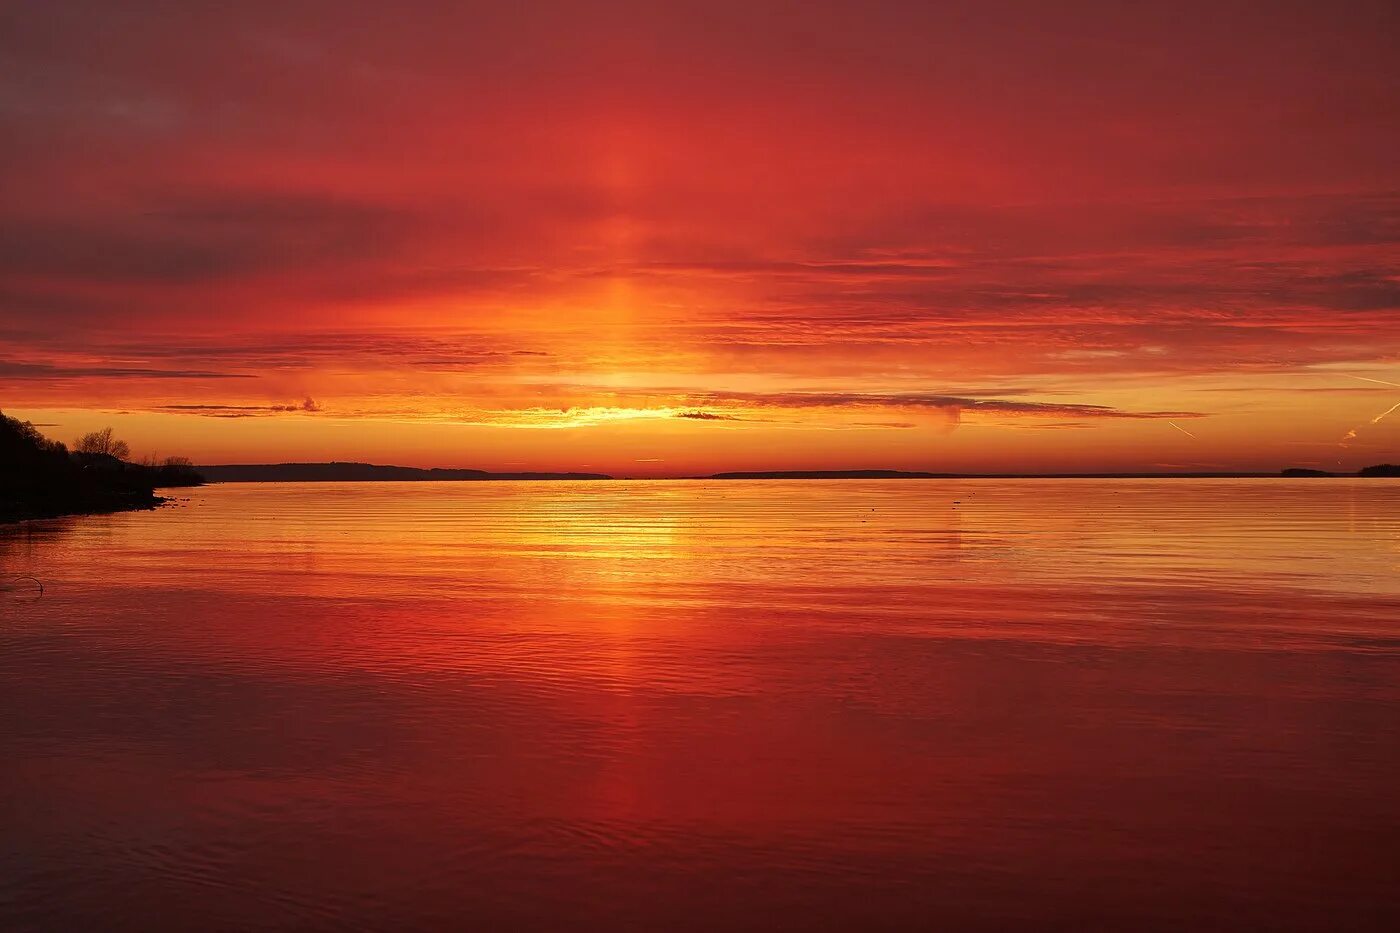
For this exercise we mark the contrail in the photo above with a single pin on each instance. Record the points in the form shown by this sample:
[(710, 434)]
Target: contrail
[(1377, 419), (1369, 379), (1189, 434)]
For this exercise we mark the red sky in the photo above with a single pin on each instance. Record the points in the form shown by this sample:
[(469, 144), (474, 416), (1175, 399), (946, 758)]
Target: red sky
[(667, 238)]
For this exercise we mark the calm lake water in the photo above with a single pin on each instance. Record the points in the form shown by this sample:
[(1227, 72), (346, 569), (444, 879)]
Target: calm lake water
[(1165, 705)]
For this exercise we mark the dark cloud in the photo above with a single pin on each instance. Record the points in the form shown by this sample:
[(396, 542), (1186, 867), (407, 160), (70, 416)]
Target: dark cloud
[(204, 238), (11, 369), (240, 411), (275, 352), (808, 400), (707, 416)]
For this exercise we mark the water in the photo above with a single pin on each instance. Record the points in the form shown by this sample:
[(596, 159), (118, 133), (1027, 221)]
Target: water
[(707, 706)]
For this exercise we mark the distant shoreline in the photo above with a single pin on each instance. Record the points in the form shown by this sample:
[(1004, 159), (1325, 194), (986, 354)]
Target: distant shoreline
[(14, 514), (348, 472), (911, 474), (341, 472)]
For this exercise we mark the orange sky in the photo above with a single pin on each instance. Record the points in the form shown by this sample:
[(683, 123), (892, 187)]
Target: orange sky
[(660, 239)]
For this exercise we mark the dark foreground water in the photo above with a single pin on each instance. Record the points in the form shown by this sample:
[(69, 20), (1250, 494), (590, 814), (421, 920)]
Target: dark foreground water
[(1038, 705)]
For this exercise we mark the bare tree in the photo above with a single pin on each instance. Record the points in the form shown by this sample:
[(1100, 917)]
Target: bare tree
[(102, 442)]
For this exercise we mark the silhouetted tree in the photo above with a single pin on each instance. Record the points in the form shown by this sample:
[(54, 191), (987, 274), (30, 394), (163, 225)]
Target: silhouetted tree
[(177, 471), (102, 442), (20, 441), (38, 477)]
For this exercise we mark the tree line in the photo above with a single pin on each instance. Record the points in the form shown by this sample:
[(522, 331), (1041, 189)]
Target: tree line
[(42, 477)]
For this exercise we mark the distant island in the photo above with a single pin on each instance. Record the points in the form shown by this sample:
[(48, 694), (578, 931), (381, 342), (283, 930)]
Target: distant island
[(41, 478), (1380, 469), (914, 474), (829, 474), (1384, 469), (340, 472)]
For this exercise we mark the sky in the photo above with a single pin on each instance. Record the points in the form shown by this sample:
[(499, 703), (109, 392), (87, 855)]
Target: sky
[(657, 239)]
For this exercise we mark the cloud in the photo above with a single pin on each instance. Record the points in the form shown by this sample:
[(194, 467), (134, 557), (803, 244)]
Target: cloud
[(201, 238), (913, 401), (865, 201), (706, 416), (240, 411), (12, 369), (826, 410)]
